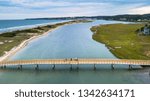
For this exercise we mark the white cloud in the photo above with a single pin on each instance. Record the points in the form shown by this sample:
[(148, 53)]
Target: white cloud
[(40, 3), (51, 8), (140, 10)]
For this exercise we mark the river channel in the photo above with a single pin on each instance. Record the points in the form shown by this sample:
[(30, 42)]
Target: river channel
[(71, 41)]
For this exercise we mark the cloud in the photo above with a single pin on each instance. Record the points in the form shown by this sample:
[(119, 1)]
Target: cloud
[(39, 3), (59, 8), (140, 10)]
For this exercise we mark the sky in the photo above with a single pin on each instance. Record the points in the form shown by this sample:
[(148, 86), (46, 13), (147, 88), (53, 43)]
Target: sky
[(20, 9)]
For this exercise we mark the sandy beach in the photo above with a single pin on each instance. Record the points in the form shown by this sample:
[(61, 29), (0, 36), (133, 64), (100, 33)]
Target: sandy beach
[(14, 50)]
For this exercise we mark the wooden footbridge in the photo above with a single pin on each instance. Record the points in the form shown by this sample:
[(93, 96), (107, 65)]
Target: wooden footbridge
[(54, 62)]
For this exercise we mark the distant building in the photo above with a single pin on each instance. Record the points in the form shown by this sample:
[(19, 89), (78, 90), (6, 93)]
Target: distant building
[(139, 20), (123, 19), (144, 30)]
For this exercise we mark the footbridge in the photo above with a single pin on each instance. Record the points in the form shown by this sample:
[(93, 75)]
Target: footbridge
[(54, 62)]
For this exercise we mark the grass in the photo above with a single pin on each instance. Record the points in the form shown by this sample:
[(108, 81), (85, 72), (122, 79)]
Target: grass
[(123, 41), (9, 40)]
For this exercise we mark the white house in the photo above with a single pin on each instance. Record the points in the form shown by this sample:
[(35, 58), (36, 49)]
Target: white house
[(146, 30)]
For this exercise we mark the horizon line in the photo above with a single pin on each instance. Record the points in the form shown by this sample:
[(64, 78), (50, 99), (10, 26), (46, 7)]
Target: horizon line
[(70, 16)]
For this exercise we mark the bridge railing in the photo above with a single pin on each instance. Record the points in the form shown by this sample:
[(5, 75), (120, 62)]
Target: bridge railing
[(77, 61)]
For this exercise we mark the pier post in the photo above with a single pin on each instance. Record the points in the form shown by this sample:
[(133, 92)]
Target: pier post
[(53, 67), (78, 66), (37, 67), (4, 66), (94, 66), (1, 67), (19, 67), (130, 67), (112, 66), (70, 66)]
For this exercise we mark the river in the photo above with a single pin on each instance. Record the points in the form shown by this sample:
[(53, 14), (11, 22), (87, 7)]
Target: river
[(71, 41), (13, 25)]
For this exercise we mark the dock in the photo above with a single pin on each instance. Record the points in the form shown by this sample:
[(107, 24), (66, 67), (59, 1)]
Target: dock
[(54, 62)]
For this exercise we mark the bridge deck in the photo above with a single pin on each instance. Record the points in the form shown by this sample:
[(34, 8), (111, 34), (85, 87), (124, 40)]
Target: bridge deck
[(76, 61)]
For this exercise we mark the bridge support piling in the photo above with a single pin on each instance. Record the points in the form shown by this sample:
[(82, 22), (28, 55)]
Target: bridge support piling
[(19, 67), (71, 67), (53, 67), (94, 66), (4, 67), (1, 67), (77, 66), (130, 67), (37, 67), (112, 66)]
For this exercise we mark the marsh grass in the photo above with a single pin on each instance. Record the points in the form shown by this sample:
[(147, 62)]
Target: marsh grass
[(123, 40), (14, 38)]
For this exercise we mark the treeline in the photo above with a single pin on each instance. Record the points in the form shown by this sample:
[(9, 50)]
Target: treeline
[(127, 17)]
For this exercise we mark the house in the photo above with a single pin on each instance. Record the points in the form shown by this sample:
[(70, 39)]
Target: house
[(146, 31)]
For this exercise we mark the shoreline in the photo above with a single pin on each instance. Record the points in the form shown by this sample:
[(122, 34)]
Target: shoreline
[(15, 49), (124, 46), (24, 43)]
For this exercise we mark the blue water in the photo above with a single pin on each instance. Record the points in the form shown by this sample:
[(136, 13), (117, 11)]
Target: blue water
[(71, 41), (11, 25)]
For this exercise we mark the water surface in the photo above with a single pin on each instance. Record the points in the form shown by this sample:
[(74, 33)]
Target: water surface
[(75, 77), (12, 25), (71, 41)]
